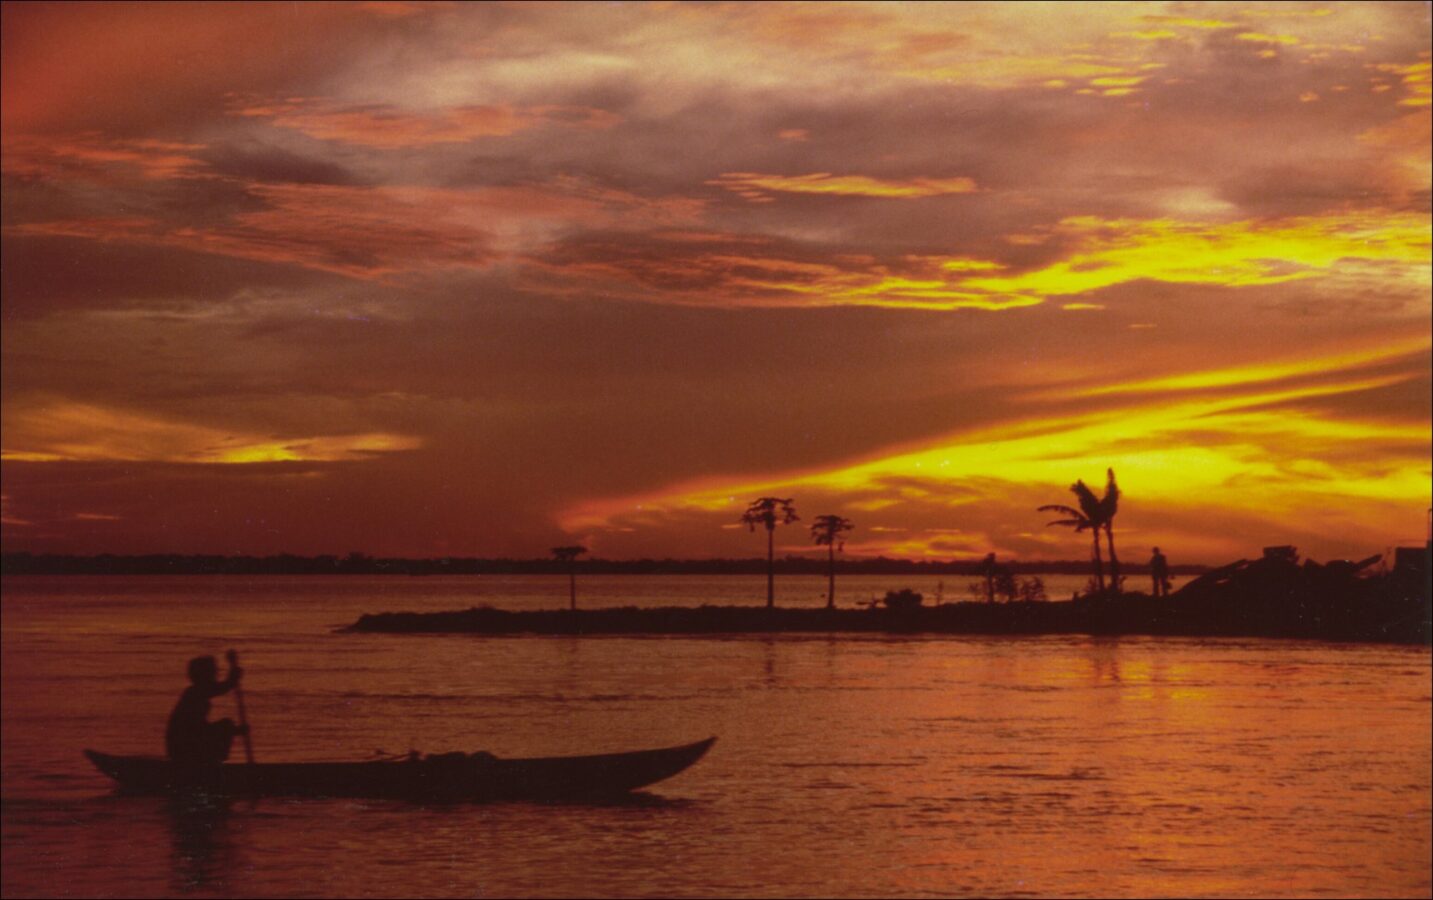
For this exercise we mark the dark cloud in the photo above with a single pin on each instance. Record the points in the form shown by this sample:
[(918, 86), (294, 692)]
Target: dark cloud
[(253, 160), (48, 275)]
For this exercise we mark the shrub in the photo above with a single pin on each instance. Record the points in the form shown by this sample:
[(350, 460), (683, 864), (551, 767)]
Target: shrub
[(1032, 589), (903, 599)]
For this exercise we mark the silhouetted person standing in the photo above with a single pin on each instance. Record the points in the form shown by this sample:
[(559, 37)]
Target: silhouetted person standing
[(1159, 573), (190, 737)]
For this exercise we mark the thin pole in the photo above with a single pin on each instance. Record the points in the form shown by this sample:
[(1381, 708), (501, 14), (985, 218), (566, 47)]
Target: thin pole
[(770, 563), (831, 575), (243, 716)]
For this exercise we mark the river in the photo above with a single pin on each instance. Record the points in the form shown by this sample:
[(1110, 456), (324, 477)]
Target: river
[(845, 765)]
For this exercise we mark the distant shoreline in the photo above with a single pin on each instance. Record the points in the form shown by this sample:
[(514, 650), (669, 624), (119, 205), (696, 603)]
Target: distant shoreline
[(1128, 614), (359, 564), (1274, 596)]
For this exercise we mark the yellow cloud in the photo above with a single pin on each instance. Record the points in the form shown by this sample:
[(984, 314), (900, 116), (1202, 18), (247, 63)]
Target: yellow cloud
[(1255, 37), (1159, 34), (1393, 247), (1183, 22), (1116, 251), (1417, 79), (76, 432), (1268, 371), (965, 264), (842, 185)]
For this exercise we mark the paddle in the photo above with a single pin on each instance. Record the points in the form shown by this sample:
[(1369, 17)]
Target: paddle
[(243, 718)]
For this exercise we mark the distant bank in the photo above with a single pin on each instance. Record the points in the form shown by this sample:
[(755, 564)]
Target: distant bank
[(362, 564), (1270, 597), (1130, 614)]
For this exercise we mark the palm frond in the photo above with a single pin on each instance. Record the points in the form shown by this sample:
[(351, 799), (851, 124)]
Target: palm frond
[(1111, 502), (1089, 503), (827, 530), (766, 510)]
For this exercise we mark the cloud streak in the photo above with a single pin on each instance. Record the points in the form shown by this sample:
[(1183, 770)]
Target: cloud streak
[(388, 127)]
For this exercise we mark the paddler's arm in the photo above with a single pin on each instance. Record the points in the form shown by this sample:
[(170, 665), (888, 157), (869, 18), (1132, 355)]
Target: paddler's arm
[(227, 685)]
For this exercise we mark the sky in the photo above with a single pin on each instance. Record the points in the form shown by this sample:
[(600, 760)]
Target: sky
[(432, 279)]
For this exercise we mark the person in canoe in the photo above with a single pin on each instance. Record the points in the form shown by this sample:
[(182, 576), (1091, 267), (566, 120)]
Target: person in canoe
[(190, 737)]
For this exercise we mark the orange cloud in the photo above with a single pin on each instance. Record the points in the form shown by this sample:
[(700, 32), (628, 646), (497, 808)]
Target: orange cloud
[(753, 185), (756, 275), (94, 157), (388, 128), (399, 9), (354, 232), (376, 233)]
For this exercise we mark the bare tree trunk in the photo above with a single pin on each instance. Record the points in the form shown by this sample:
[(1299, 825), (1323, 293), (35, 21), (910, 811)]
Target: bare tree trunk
[(1114, 560), (1099, 564), (831, 581), (770, 567)]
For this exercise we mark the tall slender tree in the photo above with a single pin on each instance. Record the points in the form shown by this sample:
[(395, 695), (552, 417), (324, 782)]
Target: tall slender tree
[(1109, 506), (768, 512), (1077, 520), (1101, 513), (569, 555), (826, 531)]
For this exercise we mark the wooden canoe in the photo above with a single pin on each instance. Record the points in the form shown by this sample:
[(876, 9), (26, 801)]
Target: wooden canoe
[(453, 776)]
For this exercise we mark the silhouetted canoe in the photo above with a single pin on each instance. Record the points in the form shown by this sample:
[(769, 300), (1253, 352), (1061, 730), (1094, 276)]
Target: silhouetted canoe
[(450, 776)]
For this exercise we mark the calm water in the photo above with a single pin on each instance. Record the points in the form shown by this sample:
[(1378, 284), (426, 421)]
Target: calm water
[(846, 766)]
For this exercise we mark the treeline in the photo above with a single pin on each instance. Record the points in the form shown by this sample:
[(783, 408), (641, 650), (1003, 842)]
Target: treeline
[(362, 564)]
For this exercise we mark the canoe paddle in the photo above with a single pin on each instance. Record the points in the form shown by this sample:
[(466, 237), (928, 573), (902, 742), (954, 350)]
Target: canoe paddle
[(243, 718)]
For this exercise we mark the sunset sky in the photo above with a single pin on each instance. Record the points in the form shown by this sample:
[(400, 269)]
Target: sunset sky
[(477, 280)]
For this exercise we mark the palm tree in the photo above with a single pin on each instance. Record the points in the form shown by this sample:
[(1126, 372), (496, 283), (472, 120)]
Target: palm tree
[(765, 512), (1101, 513), (826, 530), (569, 555), (1077, 520)]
